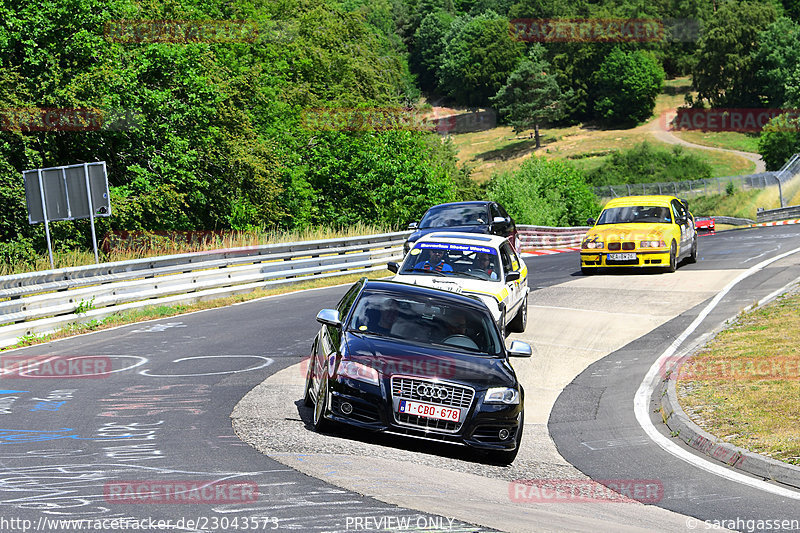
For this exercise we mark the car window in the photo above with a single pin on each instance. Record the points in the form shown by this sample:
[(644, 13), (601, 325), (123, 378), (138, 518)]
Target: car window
[(508, 262), (679, 210), (512, 256), (495, 211), (453, 260), (456, 215), (425, 320), (635, 214)]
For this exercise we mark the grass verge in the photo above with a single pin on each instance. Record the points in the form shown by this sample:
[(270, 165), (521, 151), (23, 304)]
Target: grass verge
[(744, 386), (163, 311), (730, 140)]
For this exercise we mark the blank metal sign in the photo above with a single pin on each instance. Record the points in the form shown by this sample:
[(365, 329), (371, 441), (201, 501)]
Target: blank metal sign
[(65, 192)]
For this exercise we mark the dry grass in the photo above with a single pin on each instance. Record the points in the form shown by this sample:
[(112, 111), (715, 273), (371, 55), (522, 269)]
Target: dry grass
[(151, 244), (499, 149), (163, 311), (747, 386)]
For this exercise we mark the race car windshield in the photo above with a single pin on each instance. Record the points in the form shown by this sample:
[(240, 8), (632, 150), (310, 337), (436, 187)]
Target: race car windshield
[(635, 214), (459, 215), (426, 321)]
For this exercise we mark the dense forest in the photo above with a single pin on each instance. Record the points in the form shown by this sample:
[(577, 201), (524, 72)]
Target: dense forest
[(211, 131)]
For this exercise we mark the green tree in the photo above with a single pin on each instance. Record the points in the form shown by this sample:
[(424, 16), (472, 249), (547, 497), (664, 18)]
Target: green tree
[(776, 58), (429, 44), (479, 56), (724, 71), (531, 95), (780, 139), (546, 193), (627, 84)]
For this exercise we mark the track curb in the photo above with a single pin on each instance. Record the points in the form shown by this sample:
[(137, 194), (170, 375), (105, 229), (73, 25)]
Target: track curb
[(697, 438)]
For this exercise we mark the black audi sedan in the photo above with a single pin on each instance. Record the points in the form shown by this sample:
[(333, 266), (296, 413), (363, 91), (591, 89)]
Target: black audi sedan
[(465, 217), (419, 362)]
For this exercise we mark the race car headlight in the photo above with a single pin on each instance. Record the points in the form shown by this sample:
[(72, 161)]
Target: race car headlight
[(592, 245), (502, 395), (359, 372), (653, 244)]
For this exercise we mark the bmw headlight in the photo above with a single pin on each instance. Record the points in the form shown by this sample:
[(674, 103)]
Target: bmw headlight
[(502, 395), (592, 245), (653, 244), (359, 372)]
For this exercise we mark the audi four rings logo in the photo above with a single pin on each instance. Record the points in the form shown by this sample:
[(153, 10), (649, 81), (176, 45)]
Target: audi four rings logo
[(432, 391)]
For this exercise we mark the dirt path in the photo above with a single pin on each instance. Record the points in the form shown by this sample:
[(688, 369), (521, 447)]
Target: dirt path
[(656, 128)]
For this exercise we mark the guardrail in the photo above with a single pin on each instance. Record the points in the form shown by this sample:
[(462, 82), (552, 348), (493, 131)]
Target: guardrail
[(533, 237), (41, 302), (37, 303), (782, 213)]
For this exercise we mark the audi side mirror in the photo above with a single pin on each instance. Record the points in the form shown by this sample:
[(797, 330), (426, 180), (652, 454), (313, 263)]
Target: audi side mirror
[(329, 317), (520, 349)]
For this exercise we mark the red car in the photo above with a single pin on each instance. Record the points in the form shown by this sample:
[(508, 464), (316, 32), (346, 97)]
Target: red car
[(705, 224)]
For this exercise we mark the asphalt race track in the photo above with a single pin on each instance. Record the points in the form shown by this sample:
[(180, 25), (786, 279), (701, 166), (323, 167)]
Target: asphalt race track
[(140, 444)]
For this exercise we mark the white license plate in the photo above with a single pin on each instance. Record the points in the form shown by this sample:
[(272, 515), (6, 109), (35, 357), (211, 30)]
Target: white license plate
[(621, 257), (429, 411)]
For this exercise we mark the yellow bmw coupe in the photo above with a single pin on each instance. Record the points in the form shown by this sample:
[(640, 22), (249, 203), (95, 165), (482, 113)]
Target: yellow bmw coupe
[(640, 231)]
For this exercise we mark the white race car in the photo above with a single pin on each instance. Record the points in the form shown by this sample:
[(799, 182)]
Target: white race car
[(486, 266)]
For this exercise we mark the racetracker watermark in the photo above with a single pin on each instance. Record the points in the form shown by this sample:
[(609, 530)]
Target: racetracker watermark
[(181, 31), (585, 490), (191, 492), (739, 369), (414, 366), (54, 366), (79, 119), (729, 119), (394, 118), (604, 30)]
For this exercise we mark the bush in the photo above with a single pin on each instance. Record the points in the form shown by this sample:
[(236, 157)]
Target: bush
[(780, 139), (544, 193), (646, 163)]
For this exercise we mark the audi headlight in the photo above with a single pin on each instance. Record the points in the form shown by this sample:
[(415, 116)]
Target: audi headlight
[(502, 395), (592, 245), (653, 244), (359, 372)]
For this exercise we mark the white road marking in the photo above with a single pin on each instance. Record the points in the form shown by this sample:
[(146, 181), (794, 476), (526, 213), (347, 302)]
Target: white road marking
[(645, 391), (266, 363)]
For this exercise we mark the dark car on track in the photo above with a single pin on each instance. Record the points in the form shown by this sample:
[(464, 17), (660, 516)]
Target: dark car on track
[(419, 362), (466, 217)]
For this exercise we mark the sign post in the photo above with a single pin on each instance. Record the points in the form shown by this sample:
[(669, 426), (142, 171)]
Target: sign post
[(70, 192)]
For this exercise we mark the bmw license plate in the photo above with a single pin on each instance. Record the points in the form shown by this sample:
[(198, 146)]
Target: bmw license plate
[(427, 410), (621, 257)]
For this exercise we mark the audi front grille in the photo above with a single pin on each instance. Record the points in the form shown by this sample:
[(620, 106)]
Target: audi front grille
[(417, 390), (431, 392)]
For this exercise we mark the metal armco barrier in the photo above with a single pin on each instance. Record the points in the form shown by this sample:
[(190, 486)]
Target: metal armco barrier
[(773, 215), (535, 237), (41, 302), (37, 303)]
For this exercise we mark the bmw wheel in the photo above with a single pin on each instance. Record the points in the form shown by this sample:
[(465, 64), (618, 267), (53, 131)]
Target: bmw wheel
[(693, 255), (521, 319), (673, 258)]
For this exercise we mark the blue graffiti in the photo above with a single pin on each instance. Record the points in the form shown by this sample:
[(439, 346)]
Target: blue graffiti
[(11, 391), (29, 435)]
